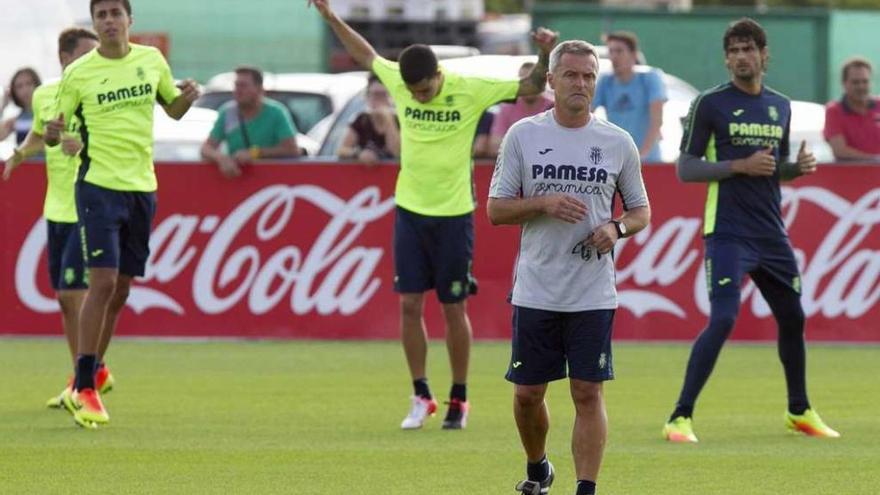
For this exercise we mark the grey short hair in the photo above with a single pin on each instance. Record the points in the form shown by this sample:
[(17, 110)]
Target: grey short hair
[(577, 47)]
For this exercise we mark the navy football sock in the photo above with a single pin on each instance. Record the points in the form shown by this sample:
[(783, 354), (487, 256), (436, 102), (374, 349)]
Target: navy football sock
[(682, 411), (705, 352), (85, 371)]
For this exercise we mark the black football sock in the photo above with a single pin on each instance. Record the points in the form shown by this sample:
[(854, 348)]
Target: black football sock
[(586, 487), (459, 391), (538, 471), (421, 389)]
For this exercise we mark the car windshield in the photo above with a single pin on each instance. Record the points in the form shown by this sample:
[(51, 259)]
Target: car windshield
[(337, 131), (306, 109)]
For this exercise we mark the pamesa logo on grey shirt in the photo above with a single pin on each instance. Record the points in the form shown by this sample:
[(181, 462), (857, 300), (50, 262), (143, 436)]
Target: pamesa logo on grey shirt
[(557, 268)]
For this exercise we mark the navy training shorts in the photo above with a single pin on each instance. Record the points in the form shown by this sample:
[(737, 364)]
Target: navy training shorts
[(116, 227), (728, 259), (434, 253), (67, 268), (544, 342)]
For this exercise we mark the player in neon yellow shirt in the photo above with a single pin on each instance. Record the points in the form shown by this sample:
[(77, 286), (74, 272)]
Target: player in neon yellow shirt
[(433, 232), (112, 90), (67, 271)]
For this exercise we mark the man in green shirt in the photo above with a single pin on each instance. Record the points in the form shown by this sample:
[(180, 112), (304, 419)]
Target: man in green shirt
[(112, 91), (252, 125), (433, 232), (67, 272)]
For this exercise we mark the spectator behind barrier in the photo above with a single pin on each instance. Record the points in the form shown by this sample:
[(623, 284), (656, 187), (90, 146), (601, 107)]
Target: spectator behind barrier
[(510, 113), (633, 100), (852, 124), (482, 144), (374, 134), (252, 126), (21, 89)]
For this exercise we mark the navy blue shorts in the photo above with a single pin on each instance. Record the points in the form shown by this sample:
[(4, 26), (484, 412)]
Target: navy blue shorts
[(116, 226), (545, 341), (67, 268), (434, 253), (769, 262)]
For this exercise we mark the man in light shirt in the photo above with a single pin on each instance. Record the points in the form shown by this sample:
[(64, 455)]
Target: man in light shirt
[(633, 98), (564, 295)]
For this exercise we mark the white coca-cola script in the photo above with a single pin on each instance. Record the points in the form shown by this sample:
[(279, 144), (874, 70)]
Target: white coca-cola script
[(337, 273), (347, 270)]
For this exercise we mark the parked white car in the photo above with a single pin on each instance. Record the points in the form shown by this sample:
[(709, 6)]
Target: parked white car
[(808, 119), (181, 140), (808, 123)]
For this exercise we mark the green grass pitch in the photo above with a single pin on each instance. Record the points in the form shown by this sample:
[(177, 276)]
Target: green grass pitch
[(322, 418)]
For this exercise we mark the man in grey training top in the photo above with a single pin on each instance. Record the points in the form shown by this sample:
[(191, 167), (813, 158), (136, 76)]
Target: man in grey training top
[(556, 175)]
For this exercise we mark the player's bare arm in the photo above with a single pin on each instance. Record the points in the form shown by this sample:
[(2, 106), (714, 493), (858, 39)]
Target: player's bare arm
[(32, 144), (189, 93), (605, 236), (355, 44), (536, 81), (514, 211)]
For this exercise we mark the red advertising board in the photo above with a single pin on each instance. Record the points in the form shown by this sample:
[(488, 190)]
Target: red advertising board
[(304, 251)]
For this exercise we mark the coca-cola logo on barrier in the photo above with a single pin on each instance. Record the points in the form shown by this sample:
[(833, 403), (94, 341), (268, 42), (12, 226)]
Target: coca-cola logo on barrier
[(347, 270), (256, 260)]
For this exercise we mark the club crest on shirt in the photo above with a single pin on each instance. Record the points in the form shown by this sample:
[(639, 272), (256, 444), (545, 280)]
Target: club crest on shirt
[(141, 74), (456, 288), (773, 113), (450, 100), (596, 155)]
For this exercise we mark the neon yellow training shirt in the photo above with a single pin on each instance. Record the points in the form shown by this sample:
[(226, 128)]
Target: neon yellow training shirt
[(60, 204), (114, 100), (437, 137)]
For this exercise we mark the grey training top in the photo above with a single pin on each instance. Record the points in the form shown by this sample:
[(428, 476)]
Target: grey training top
[(557, 268), (692, 168)]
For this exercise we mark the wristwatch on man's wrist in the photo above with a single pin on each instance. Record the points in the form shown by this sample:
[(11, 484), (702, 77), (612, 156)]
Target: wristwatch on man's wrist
[(620, 227)]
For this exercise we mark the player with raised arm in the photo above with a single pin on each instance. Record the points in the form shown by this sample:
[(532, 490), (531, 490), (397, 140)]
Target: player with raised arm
[(438, 113)]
